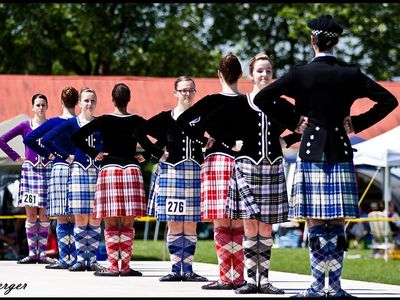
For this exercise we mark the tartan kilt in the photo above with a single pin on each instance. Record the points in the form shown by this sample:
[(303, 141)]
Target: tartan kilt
[(178, 182), (323, 190), (153, 191), (57, 195), (119, 192), (81, 189), (34, 180), (216, 172), (258, 192)]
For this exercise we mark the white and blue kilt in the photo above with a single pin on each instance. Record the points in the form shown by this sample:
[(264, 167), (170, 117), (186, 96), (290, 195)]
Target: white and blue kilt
[(178, 182), (323, 190), (153, 191), (81, 189), (57, 194), (258, 192), (34, 180)]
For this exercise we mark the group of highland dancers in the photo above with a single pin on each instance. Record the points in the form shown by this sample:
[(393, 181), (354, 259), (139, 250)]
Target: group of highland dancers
[(219, 160)]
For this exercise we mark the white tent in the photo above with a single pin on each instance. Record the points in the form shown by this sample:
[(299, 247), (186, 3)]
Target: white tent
[(383, 152), (15, 143)]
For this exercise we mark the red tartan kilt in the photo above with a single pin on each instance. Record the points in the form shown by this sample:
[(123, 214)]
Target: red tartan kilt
[(216, 172), (120, 192)]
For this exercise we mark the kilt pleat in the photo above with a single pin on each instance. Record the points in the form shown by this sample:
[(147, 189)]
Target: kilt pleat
[(323, 190), (258, 192), (153, 191), (216, 172), (120, 192)]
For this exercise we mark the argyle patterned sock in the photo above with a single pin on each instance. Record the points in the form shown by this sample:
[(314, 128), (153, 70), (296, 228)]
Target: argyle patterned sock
[(250, 245), (264, 257), (43, 234), (63, 240), (175, 248), (189, 248), (237, 255), (223, 246), (92, 242), (318, 245), (80, 242), (127, 237), (32, 237), (111, 236), (337, 246), (71, 246)]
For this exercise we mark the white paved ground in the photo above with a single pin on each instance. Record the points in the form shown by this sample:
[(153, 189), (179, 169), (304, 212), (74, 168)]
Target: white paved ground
[(36, 281)]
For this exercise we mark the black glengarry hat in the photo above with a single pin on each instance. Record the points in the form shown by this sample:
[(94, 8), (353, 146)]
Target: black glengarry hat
[(325, 25)]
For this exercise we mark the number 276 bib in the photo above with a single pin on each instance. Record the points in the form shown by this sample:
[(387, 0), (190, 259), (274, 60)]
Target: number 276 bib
[(175, 207)]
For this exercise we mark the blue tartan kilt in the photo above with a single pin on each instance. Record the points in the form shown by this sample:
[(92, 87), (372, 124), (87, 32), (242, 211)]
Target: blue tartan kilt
[(34, 180), (81, 189), (57, 194), (323, 190), (177, 197), (258, 192)]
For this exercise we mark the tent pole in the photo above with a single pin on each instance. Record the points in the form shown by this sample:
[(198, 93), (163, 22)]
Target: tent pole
[(387, 197)]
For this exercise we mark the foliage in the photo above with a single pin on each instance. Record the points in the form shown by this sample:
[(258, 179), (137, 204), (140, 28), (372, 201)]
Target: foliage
[(171, 39)]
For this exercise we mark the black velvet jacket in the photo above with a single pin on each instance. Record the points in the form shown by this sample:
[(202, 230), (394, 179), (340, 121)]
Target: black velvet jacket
[(324, 91), (165, 130)]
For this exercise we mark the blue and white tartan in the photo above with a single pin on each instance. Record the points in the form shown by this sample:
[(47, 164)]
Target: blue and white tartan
[(323, 190), (34, 180), (81, 189), (57, 195), (178, 182), (153, 191), (258, 192)]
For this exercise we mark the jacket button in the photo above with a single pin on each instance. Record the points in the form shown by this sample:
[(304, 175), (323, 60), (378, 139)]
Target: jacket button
[(336, 129), (317, 128), (345, 152), (269, 153), (259, 133), (269, 123), (259, 143), (183, 141), (341, 137), (269, 143), (311, 137), (345, 144), (259, 152), (308, 151), (308, 144)]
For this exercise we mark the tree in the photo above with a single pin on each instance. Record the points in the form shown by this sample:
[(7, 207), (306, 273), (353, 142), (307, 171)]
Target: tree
[(171, 39)]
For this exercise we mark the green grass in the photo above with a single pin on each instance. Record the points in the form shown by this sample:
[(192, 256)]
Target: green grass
[(293, 260)]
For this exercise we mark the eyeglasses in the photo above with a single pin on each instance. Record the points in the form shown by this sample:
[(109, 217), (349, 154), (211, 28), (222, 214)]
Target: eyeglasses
[(183, 92)]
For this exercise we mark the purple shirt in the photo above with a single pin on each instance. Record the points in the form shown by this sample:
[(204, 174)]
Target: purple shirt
[(22, 129)]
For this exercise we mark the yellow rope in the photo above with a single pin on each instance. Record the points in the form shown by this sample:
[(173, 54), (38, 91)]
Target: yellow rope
[(363, 195)]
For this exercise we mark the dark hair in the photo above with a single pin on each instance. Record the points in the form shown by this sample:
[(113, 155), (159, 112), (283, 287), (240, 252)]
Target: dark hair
[(121, 95), (183, 78), (69, 96), (325, 42), (230, 68), (39, 96), (259, 56)]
